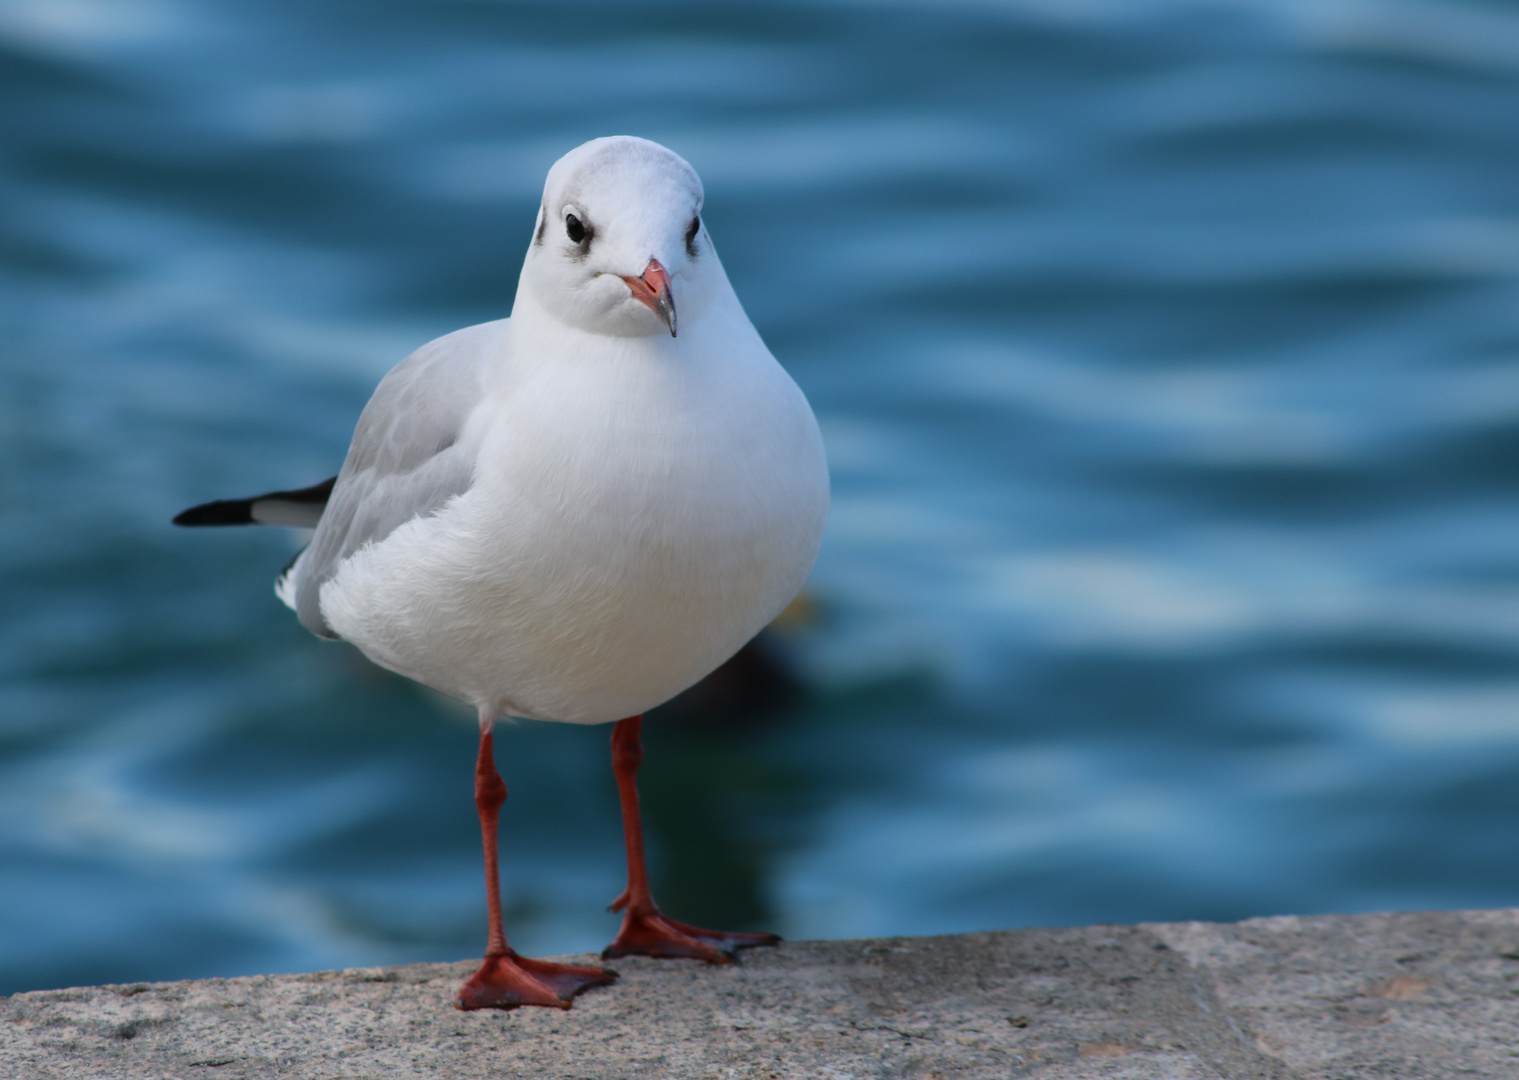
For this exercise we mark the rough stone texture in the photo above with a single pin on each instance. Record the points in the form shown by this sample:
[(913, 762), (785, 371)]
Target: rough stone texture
[(1332, 998)]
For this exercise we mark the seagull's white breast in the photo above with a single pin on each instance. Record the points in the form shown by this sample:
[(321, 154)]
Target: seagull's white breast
[(640, 509)]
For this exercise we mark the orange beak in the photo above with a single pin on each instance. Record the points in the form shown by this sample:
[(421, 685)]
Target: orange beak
[(654, 290)]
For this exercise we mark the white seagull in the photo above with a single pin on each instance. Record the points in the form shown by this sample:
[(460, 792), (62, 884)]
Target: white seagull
[(572, 514)]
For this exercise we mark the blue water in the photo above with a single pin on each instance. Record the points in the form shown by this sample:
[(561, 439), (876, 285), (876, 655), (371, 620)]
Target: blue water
[(1166, 356)]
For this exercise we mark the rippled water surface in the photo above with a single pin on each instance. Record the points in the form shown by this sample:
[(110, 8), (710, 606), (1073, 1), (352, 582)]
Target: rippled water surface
[(1166, 356)]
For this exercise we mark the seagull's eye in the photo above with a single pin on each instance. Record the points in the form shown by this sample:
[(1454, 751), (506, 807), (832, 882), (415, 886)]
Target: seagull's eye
[(691, 231), (573, 228)]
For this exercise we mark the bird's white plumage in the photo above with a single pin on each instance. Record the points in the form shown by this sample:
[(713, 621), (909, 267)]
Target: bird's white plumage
[(569, 514)]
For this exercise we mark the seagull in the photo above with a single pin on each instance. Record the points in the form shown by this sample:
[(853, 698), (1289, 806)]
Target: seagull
[(571, 514)]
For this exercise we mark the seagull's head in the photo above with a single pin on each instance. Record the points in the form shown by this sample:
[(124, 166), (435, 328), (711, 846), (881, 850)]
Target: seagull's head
[(619, 247)]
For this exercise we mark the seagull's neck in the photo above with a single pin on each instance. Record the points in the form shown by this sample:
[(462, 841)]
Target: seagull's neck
[(534, 323)]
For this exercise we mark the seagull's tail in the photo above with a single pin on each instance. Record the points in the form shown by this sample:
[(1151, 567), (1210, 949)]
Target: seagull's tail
[(299, 509), (285, 584)]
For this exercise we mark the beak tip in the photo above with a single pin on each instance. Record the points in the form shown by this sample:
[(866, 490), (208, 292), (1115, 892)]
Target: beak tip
[(652, 290)]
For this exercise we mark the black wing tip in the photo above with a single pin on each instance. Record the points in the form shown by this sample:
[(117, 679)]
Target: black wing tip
[(240, 511), (220, 512)]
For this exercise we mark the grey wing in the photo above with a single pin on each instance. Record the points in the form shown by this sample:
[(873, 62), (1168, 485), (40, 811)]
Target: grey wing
[(408, 458)]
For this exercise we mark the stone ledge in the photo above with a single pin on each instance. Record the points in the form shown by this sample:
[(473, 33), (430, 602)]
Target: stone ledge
[(1333, 997)]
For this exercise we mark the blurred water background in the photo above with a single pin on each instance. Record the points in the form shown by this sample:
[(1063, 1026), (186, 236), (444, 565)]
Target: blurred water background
[(1166, 355)]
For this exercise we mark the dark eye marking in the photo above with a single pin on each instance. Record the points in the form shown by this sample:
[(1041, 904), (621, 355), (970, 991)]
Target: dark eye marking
[(543, 222), (691, 231), (575, 229)]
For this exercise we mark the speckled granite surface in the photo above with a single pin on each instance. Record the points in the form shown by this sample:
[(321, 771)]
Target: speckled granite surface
[(1332, 998)]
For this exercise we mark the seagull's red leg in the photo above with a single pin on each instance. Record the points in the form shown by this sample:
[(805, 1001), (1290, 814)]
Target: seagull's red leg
[(645, 932), (506, 980)]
